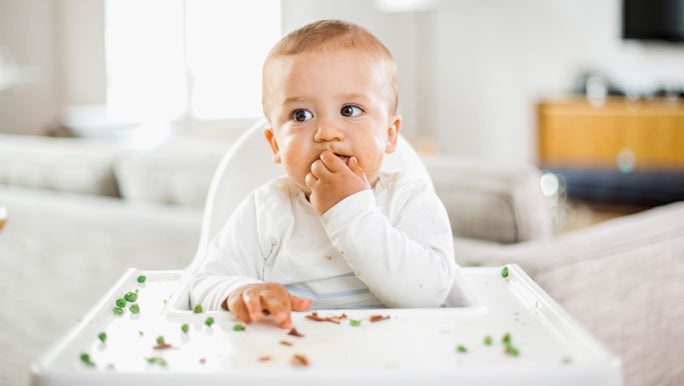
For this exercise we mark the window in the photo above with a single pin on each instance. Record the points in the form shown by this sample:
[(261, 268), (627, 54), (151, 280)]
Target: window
[(187, 59)]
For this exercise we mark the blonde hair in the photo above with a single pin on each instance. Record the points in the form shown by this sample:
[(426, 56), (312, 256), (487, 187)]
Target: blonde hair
[(329, 36)]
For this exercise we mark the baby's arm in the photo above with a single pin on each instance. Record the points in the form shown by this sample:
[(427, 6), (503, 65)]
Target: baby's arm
[(406, 260), (229, 278)]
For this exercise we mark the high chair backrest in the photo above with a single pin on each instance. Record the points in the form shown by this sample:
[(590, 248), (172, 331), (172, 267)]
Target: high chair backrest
[(248, 164)]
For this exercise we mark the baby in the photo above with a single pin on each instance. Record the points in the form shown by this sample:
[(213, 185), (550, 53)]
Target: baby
[(336, 232)]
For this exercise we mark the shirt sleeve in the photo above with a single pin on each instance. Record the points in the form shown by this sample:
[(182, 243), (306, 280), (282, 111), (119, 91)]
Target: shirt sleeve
[(406, 260), (233, 259)]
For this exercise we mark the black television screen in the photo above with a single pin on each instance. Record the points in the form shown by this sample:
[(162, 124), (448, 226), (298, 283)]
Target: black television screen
[(653, 20)]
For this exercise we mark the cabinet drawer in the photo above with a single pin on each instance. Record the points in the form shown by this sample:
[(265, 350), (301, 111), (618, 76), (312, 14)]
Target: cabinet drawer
[(576, 134)]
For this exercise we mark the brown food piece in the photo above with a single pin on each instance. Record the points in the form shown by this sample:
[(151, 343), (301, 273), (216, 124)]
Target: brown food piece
[(265, 358), (300, 360), (285, 343), (333, 319), (296, 333), (162, 346), (377, 318)]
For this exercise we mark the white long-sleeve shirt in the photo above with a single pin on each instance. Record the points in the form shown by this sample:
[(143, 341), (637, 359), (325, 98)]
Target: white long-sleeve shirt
[(391, 246)]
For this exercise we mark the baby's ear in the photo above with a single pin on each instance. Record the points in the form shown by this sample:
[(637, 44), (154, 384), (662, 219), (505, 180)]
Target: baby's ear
[(271, 139), (393, 133)]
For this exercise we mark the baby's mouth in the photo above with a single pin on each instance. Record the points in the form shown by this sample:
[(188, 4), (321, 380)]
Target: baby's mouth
[(344, 158)]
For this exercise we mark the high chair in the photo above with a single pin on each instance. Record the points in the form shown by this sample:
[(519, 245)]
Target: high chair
[(499, 327)]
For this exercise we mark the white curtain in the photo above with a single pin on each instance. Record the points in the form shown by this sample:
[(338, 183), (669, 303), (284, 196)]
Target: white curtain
[(188, 59)]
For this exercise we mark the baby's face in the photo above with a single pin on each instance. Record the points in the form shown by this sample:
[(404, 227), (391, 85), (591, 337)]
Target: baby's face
[(338, 101)]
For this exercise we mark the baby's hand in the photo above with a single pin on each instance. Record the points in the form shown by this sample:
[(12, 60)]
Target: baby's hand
[(331, 180), (249, 302)]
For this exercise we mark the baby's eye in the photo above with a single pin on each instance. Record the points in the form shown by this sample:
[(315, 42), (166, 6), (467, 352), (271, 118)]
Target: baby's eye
[(301, 115), (351, 111)]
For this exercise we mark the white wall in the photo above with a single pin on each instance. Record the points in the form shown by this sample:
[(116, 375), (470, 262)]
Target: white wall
[(64, 40), (27, 30), (81, 52), (497, 58)]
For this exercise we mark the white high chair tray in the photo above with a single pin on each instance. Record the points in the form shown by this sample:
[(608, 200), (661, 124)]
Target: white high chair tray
[(412, 346)]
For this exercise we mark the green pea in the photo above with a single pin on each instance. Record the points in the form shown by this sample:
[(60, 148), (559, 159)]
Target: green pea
[(462, 349), (512, 351), (185, 328), (504, 271), (354, 322), (160, 339), (142, 278), (85, 358), (118, 311), (487, 340), (209, 321), (197, 309), (121, 302), (134, 308), (102, 337), (131, 297), (156, 361), (238, 327)]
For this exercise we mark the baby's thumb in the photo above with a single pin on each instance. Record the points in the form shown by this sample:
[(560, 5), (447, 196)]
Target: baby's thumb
[(300, 304)]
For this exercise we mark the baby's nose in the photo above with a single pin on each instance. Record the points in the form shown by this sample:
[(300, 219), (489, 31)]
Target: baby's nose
[(328, 131)]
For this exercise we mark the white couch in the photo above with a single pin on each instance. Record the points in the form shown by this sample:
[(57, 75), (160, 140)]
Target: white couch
[(81, 212)]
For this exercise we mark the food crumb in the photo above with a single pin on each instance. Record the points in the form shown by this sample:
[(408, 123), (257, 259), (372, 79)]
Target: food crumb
[(161, 344), (333, 319), (264, 358), (285, 342), (377, 318), (300, 360), (293, 331)]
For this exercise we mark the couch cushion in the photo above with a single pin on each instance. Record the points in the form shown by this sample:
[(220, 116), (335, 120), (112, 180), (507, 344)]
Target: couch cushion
[(177, 172), (487, 201), (64, 164)]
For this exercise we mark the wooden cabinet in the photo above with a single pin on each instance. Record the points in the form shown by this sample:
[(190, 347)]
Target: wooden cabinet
[(620, 134)]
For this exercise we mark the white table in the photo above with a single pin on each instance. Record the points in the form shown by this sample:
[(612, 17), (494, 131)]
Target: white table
[(413, 346)]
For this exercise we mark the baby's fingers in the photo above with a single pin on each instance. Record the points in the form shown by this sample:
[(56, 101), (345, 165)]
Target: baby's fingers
[(251, 298), (354, 166), (300, 304), (237, 306)]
